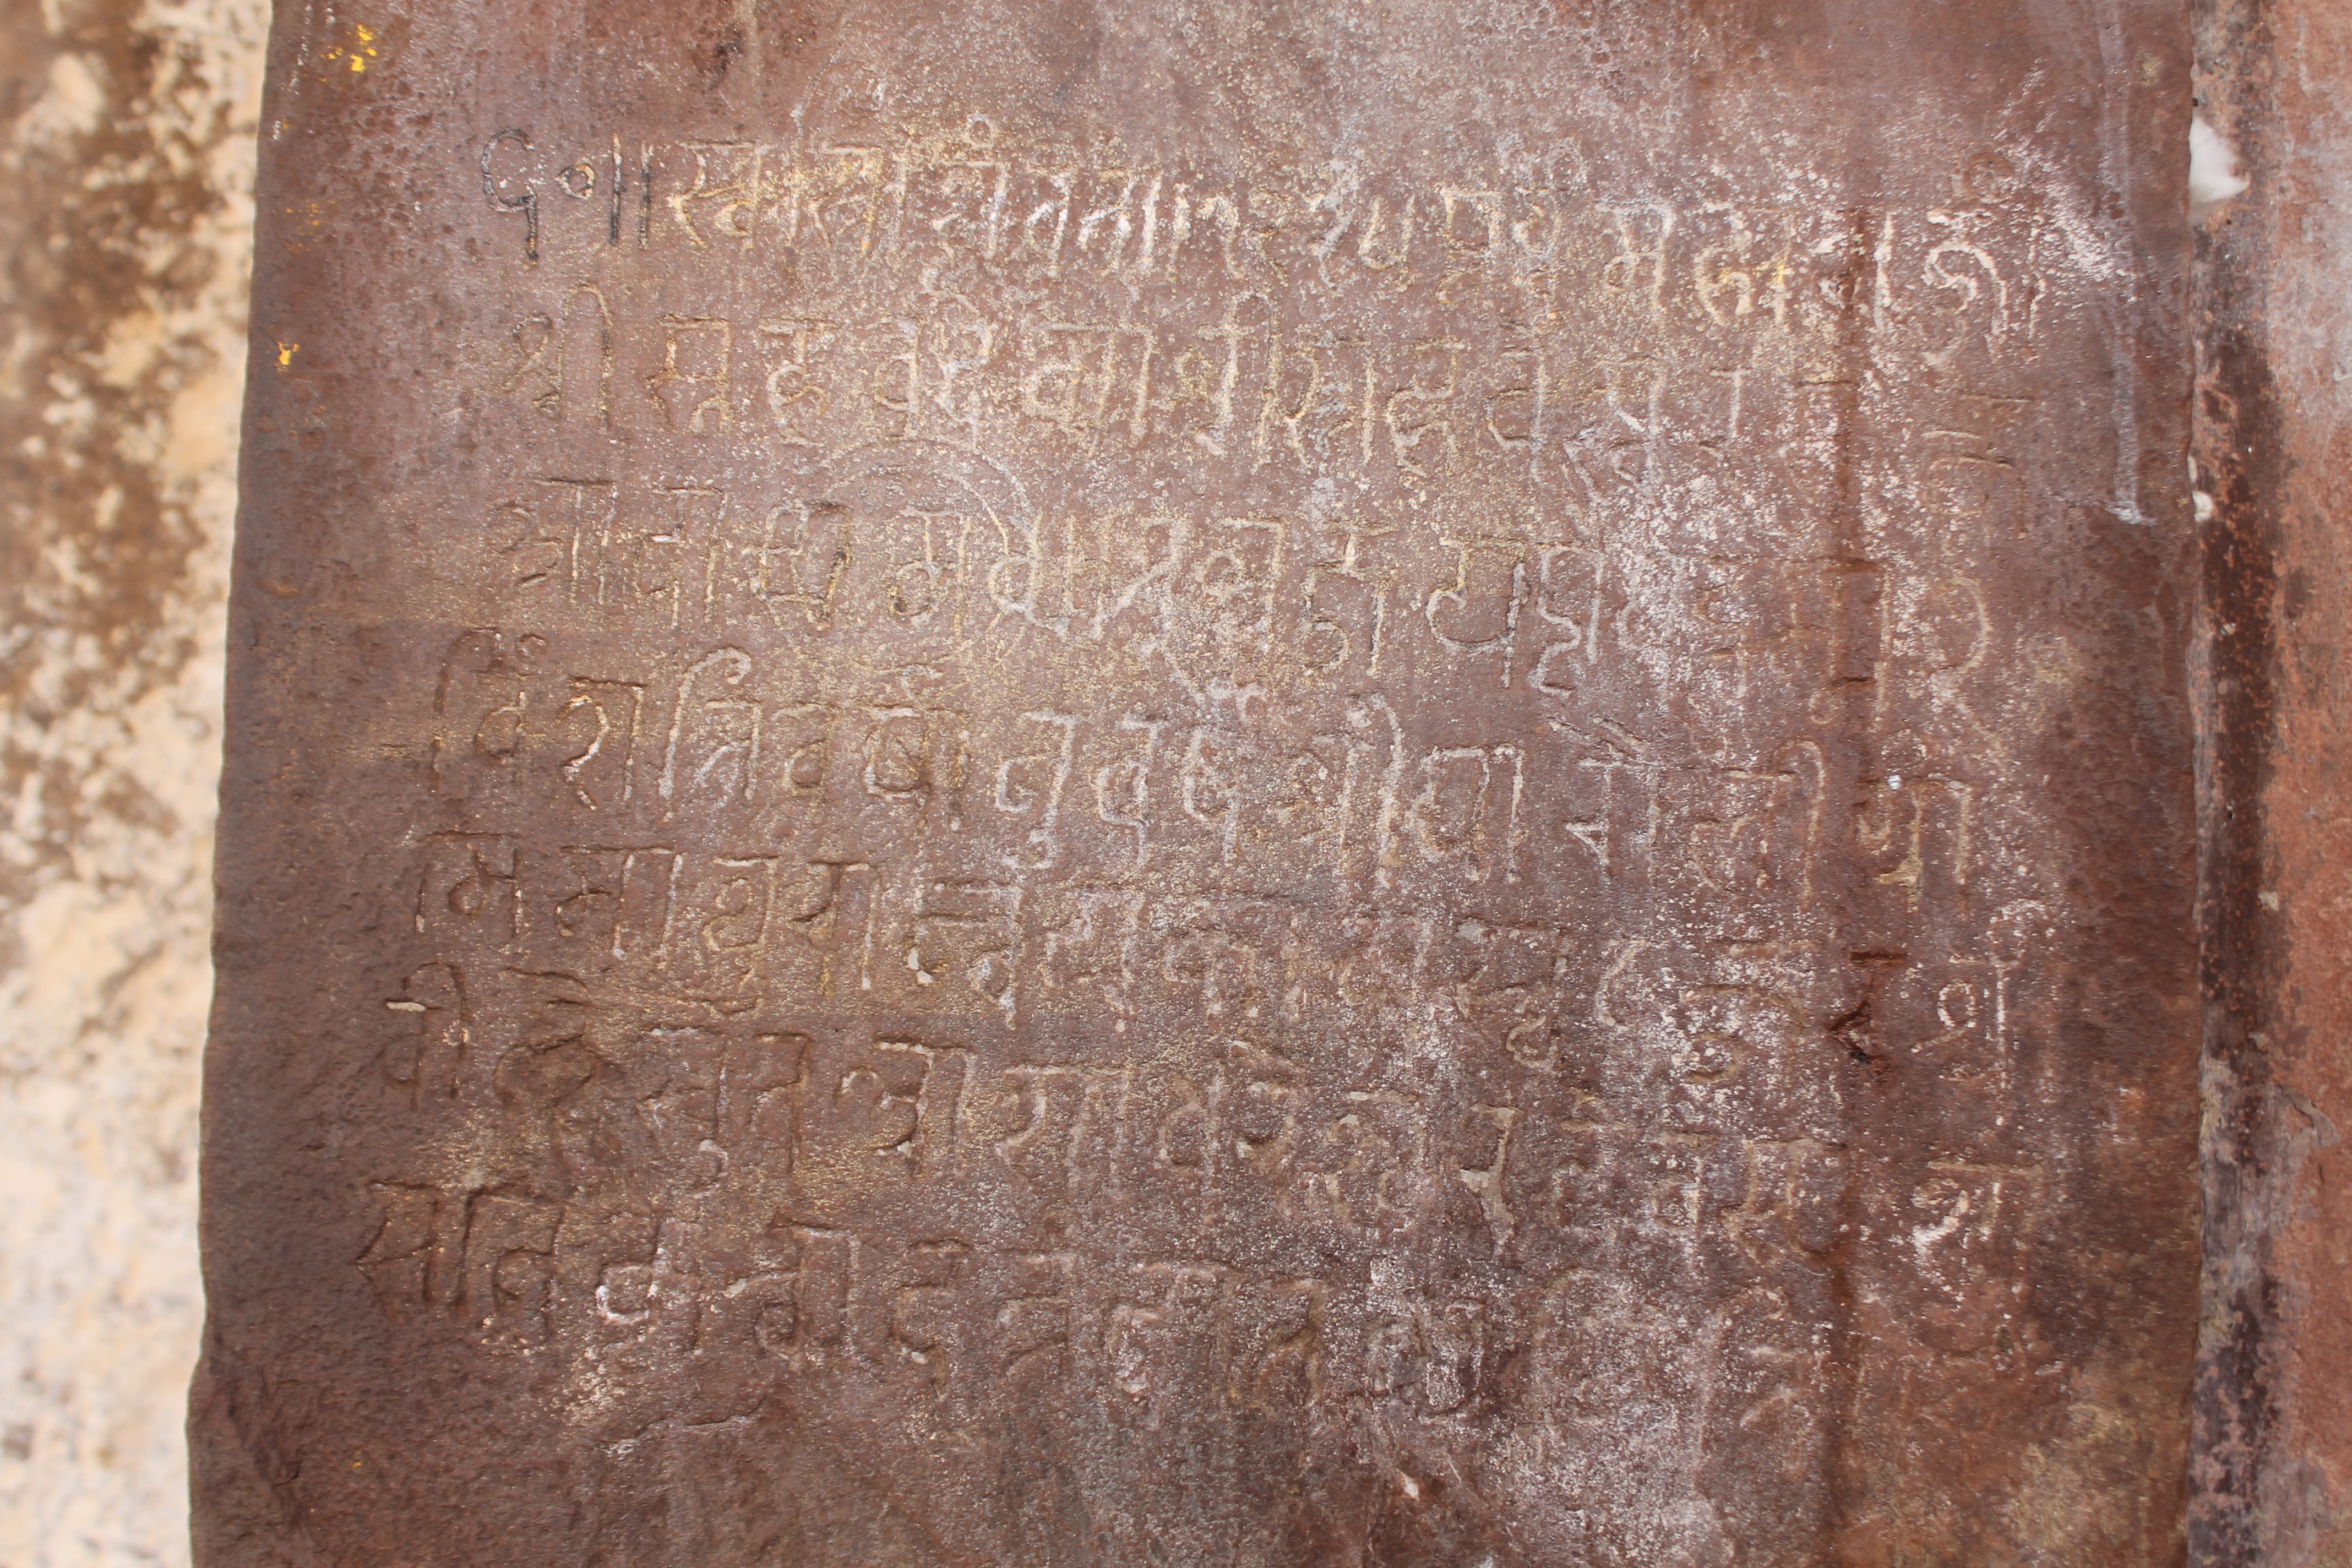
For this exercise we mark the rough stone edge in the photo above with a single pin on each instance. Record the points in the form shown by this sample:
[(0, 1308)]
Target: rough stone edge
[(2272, 1455)]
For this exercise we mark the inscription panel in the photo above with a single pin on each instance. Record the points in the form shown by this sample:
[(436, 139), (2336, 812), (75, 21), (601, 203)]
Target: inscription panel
[(1402, 794)]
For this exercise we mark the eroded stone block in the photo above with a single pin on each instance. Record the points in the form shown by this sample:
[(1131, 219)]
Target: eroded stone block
[(1203, 785)]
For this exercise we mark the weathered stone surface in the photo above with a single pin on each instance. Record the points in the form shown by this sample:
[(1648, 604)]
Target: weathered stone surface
[(2274, 434), (126, 169), (1209, 784)]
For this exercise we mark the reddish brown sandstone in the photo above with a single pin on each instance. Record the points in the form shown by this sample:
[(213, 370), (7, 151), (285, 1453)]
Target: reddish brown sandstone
[(2274, 448), (1210, 783)]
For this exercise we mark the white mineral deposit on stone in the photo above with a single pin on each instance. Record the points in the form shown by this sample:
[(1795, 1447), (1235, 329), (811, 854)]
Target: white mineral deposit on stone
[(2213, 177)]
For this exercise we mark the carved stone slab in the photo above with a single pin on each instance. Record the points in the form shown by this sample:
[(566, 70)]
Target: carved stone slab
[(1209, 784)]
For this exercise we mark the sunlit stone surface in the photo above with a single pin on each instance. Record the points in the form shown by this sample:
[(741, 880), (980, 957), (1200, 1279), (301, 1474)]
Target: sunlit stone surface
[(126, 170)]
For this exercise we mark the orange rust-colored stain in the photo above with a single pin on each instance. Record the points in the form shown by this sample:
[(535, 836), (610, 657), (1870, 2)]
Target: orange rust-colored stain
[(356, 54)]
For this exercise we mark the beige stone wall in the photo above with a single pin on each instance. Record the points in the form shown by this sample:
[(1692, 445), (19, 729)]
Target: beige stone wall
[(125, 215)]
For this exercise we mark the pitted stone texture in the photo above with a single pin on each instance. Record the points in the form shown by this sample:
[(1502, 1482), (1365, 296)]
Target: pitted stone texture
[(1205, 785), (126, 176)]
